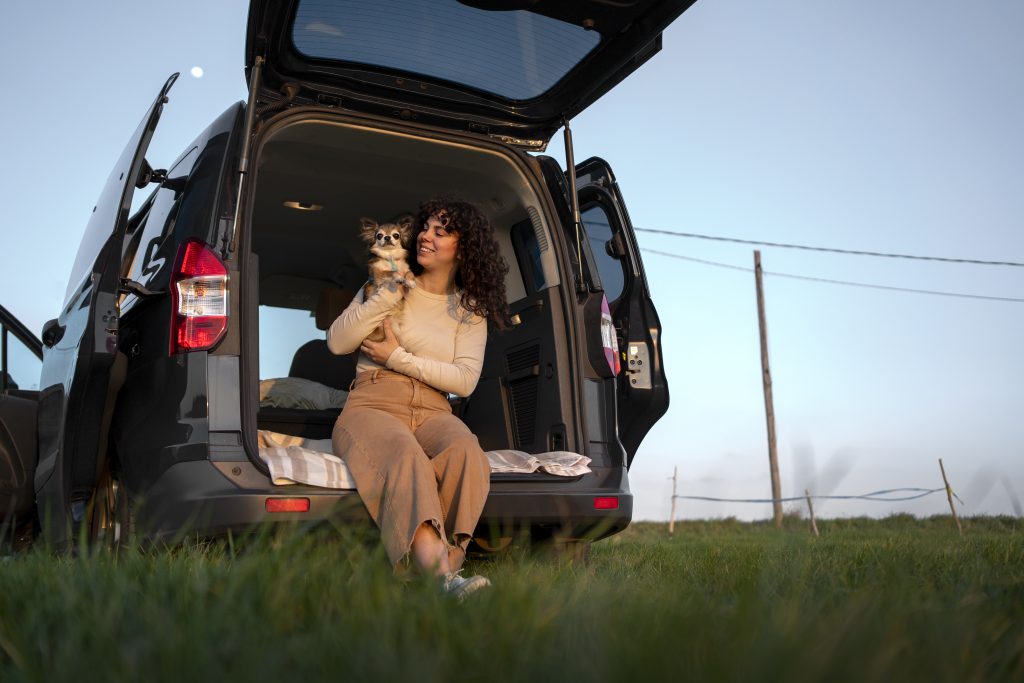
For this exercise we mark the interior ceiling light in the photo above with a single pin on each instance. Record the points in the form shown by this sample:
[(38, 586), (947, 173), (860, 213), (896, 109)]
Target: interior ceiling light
[(303, 206)]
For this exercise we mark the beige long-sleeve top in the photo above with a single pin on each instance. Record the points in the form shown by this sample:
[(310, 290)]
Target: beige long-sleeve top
[(440, 343)]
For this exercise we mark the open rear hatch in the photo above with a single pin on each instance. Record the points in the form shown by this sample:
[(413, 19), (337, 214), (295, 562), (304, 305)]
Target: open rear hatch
[(514, 69)]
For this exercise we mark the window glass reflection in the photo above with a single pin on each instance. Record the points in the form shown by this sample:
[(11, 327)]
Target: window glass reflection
[(23, 366)]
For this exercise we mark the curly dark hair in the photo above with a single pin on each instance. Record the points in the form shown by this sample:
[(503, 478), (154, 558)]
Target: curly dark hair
[(482, 270)]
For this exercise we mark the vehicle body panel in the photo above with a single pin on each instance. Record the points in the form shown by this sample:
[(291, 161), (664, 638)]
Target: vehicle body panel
[(153, 430)]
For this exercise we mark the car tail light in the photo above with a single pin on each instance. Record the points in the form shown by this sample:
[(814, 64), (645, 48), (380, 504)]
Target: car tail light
[(609, 340), (199, 292), (606, 503), (287, 505)]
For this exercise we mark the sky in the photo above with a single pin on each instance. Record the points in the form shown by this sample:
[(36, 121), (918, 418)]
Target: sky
[(880, 126)]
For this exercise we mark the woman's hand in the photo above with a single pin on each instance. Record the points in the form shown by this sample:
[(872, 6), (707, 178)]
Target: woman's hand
[(379, 352)]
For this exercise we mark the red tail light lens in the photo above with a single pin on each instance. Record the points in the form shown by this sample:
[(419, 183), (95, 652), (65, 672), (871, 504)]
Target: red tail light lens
[(608, 338), (287, 505), (606, 503), (199, 291)]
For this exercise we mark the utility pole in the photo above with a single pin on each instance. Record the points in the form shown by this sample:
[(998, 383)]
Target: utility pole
[(769, 406)]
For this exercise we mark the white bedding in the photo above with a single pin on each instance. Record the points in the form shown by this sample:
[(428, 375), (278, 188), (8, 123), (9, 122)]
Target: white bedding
[(294, 460)]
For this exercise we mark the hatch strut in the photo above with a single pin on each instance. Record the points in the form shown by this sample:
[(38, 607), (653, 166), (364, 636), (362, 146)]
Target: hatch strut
[(243, 163), (574, 202)]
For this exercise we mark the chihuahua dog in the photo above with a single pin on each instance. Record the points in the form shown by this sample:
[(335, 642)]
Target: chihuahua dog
[(389, 254)]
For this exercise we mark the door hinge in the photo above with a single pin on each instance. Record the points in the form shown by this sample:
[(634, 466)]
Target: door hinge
[(147, 175), (136, 288)]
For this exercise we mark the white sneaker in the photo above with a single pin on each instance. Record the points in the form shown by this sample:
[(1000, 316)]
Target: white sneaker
[(459, 586)]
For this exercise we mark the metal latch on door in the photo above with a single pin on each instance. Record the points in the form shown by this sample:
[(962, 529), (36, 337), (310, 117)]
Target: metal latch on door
[(638, 366)]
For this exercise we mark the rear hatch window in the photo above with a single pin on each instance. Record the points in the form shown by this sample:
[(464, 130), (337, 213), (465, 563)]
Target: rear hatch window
[(515, 55), (513, 74)]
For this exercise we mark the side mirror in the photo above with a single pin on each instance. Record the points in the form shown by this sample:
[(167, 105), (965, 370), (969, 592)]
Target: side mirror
[(52, 333)]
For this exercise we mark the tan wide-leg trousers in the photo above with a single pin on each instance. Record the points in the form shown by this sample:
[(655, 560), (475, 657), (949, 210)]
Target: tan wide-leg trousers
[(413, 462)]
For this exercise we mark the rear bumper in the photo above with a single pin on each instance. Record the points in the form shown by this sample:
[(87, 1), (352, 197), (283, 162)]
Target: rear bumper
[(205, 499)]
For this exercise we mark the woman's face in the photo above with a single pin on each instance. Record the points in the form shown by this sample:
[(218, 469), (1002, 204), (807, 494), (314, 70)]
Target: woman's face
[(436, 246)]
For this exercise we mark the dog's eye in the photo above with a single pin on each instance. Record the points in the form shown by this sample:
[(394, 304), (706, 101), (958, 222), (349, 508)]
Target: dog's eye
[(395, 235), (378, 235)]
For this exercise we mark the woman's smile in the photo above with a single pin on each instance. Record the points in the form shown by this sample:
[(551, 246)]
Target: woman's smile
[(436, 246)]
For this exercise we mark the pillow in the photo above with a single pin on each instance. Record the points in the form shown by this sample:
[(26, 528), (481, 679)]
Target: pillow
[(304, 394)]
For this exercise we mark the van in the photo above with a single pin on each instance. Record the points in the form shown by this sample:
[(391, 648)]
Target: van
[(148, 408)]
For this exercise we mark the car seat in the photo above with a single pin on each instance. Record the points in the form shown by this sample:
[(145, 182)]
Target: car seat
[(313, 360)]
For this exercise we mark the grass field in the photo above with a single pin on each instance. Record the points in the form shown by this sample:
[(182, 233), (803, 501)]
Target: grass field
[(896, 599)]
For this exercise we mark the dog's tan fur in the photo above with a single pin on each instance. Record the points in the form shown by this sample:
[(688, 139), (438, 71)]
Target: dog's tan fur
[(388, 243)]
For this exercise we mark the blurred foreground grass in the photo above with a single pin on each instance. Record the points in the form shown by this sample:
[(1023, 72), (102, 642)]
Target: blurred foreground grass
[(894, 599)]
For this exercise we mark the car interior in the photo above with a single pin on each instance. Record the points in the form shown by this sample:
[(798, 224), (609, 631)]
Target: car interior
[(315, 179)]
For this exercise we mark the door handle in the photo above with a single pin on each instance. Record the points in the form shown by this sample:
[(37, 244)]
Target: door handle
[(528, 312), (524, 373)]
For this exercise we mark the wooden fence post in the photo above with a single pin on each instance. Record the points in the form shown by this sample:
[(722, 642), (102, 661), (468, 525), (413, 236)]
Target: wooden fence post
[(949, 495), (672, 516), (810, 507)]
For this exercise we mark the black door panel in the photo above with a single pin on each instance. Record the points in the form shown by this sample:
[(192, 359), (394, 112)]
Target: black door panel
[(519, 401), (76, 374), (614, 265), (20, 358)]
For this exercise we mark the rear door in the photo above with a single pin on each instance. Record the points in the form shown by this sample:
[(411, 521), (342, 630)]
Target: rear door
[(21, 358), (80, 355), (511, 69), (614, 258)]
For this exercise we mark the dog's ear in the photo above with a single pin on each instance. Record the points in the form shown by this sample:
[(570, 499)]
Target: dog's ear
[(405, 223), (368, 227)]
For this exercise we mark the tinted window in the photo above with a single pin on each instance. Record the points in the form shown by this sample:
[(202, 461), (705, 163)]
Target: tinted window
[(610, 268), (527, 250), (515, 54), (22, 367)]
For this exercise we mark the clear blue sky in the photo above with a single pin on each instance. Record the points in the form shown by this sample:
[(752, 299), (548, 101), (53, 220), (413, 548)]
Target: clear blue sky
[(872, 125)]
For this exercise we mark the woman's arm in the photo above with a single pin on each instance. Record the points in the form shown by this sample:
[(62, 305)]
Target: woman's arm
[(458, 377), (362, 317)]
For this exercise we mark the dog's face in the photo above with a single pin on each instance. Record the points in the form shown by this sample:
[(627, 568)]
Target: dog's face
[(392, 235)]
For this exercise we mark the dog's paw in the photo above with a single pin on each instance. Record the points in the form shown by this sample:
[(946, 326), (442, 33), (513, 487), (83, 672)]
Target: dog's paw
[(406, 281)]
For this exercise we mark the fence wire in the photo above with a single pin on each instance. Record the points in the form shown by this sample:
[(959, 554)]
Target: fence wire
[(885, 496)]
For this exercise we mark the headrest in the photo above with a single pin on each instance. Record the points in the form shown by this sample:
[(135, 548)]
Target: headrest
[(330, 304)]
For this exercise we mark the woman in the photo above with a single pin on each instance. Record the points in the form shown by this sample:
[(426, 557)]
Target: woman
[(419, 470)]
